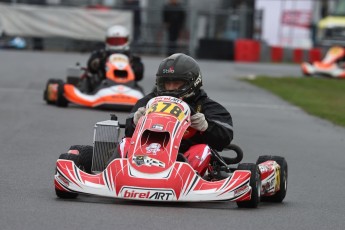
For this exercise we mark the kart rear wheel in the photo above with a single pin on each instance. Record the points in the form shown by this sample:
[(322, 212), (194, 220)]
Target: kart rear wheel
[(84, 156), (280, 195), (45, 92), (61, 100), (138, 70), (64, 194), (255, 183)]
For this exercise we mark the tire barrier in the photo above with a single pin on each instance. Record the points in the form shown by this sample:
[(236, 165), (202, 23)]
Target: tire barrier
[(247, 50)]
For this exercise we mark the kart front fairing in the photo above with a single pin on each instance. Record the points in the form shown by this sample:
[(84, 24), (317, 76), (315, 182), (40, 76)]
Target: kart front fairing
[(158, 135), (117, 89), (114, 94), (150, 171)]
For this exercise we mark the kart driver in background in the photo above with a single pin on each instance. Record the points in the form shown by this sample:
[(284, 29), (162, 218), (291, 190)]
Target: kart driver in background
[(117, 40), (179, 76)]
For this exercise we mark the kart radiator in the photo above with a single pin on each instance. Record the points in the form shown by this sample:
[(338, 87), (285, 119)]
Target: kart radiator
[(105, 140)]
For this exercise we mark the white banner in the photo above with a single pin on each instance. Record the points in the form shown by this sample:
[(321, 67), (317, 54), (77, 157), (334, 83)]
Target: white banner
[(286, 22), (45, 21)]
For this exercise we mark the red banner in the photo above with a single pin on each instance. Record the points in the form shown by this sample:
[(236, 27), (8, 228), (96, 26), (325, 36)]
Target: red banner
[(296, 18)]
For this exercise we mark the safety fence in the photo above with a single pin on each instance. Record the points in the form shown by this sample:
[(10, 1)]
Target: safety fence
[(149, 33), (209, 34)]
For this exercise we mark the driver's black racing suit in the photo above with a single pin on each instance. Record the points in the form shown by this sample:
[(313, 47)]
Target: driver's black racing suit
[(219, 133)]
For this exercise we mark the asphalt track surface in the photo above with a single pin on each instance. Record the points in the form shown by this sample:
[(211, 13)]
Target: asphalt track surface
[(33, 134)]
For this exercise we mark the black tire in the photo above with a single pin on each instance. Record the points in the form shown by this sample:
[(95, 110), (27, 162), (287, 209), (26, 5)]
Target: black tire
[(84, 85), (45, 92), (84, 157), (64, 194), (280, 195), (138, 69), (255, 183), (61, 100), (73, 80)]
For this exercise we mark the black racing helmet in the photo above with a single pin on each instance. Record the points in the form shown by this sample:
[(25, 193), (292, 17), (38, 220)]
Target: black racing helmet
[(179, 67)]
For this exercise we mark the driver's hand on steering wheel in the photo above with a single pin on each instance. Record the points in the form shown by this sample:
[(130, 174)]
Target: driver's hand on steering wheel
[(138, 114), (199, 122)]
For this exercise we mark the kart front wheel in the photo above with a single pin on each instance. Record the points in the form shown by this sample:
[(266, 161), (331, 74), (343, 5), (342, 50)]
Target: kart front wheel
[(65, 194), (283, 176), (61, 101), (84, 153), (49, 94), (255, 184), (73, 80)]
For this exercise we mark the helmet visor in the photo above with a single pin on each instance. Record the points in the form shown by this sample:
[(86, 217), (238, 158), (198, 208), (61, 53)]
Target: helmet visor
[(172, 86), (116, 41)]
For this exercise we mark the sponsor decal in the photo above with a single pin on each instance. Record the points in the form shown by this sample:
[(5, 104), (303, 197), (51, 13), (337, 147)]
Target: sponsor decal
[(153, 148), (73, 151), (167, 98), (198, 109), (277, 184), (157, 126), (264, 168), (170, 70), (269, 186), (121, 96), (176, 100), (63, 180), (266, 188), (241, 190), (147, 194), (167, 108), (140, 160), (118, 58), (197, 81)]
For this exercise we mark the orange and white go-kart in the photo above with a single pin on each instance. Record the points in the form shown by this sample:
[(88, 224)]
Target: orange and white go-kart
[(331, 66), (118, 90)]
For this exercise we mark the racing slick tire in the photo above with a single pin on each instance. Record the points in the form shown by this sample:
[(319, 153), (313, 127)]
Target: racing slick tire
[(138, 68), (84, 153), (255, 184), (45, 92), (85, 85), (61, 100), (64, 194), (280, 195), (73, 80)]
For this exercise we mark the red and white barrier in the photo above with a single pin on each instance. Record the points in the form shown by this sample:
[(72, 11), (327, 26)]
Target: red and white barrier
[(247, 50)]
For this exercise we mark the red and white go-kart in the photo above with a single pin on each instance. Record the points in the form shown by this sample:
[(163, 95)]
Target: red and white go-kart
[(154, 170)]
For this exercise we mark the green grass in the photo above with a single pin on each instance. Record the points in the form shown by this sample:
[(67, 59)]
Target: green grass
[(321, 97)]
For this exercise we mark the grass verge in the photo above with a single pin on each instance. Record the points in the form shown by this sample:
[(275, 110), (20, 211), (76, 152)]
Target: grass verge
[(321, 97)]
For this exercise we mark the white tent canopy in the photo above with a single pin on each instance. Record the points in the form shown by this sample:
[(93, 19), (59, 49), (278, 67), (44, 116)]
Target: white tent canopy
[(76, 23)]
